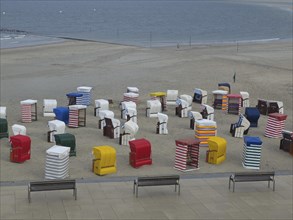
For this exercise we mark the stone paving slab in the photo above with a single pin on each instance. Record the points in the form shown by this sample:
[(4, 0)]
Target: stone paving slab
[(200, 198)]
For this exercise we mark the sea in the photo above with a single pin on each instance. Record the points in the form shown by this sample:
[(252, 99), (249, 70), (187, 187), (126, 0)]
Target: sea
[(144, 23)]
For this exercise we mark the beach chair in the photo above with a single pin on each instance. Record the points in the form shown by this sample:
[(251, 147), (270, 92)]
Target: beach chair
[(132, 89), (161, 96), (102, 115), (130, 129), (66, 140), (131, 114), (140, 153), (20, 148), (244, 99), (187, 154), (112, 128), (123, 107), (18, 129), (184, 105), (55, 127), (162, 124), (153, 108), (240, 128), (275, 107), (275, 125), (3, 128), (251, 156), (74, 98), (77, 116), (225, 87), (200, 96), (266, 107), (29, 111), (62, 114), (216, 154), (86, 97), (130, 96), (3, 112), (104, 161), (286, 143), (252, 114), (57, 163), (234, 104), (204, 129), (193, 117), (220, 99), (171, 97), (207, 112), (48, 106), (262, 106), (100, 104)]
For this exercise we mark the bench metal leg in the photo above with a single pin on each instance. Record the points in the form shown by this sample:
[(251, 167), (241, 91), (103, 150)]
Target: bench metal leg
[(233, 186), (178, 188), (133, 191), (134, 186), (75, 193), (29, 195)]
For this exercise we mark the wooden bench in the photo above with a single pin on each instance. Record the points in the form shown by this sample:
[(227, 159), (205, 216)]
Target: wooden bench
[(251, 177), (49, 185), (156, 181)]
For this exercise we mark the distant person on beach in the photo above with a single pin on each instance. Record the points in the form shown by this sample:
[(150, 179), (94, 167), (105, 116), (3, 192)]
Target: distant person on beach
[(234, 77)]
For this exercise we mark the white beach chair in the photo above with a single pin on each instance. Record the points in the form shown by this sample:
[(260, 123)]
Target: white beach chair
[(123, 107), (171, 97), (3, 112), (162, 124), (48, 106), (154, 106), (18, 129), (112, 128), (193, 117), (102, 115), (130, 129), (100, 104), (55, 127)]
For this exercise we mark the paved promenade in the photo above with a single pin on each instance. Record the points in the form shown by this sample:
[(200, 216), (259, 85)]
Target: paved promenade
[(203, 197)]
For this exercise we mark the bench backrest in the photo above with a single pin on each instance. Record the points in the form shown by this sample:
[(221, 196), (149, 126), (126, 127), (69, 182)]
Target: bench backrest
[(269, 173), (52, 185), (258, 175), (158, 180)]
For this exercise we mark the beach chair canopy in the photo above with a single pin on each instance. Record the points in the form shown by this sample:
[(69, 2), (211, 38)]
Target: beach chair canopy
[(102, 104), (130, 127), (162, 117), (106, 113), (224, 86)]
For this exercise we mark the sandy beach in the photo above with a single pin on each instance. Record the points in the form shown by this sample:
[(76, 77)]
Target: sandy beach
[(264, 70)]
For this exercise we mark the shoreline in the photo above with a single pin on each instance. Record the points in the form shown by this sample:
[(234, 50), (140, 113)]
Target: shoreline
[(61, 40)]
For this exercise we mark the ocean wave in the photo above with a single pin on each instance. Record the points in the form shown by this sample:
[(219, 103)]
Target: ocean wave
[(258, 40), (11, 37)]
